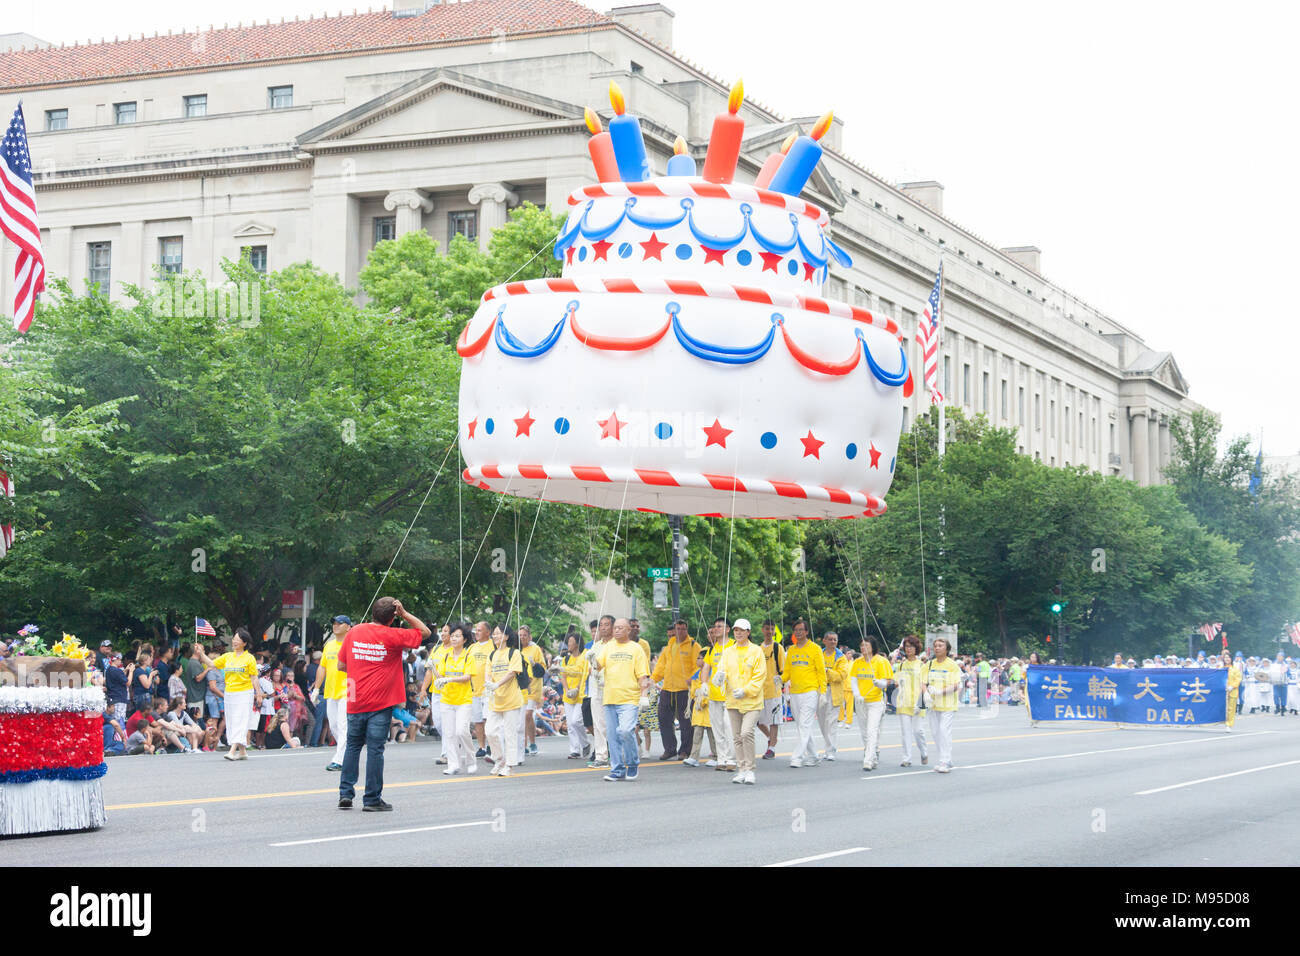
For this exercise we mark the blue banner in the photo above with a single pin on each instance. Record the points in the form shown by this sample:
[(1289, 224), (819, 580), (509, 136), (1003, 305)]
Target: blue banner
[(1154, 696)]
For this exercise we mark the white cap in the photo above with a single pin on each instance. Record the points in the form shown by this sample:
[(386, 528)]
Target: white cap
[(743, 624)]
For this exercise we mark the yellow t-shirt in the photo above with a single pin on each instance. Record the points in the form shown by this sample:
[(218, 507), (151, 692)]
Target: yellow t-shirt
[(774, 657), (837, 672), (699, 711), (713, 657), (745, 669), (645, 646), (336, 681), (623, 666), (943, 681), (805, 668), (574, 673), (503, 665), (479, 652), (239, 670), (909, 676), (532, 654), (864, 672), (449, 664)]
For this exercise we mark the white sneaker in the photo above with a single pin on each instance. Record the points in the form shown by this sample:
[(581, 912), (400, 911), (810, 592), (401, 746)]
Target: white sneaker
[(796, 764), (943, 768), (810, 761), (906, 763), (711, 763), (690, 762), (472, 769), (869, 765), (749, 776), (829, 755), (738, 778)]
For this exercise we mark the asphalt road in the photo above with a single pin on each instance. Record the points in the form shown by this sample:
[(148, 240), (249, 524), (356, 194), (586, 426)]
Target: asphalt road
[(1055, 795)]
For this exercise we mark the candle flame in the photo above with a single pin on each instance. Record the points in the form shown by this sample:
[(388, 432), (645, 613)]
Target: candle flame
[(822, 126), (593, 121), (737, 94), (789, 141), (616, 98), (679, 146)]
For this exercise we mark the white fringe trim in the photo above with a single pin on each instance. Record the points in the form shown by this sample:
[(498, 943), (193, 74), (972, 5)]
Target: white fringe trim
[(48, 700), (45, 805)]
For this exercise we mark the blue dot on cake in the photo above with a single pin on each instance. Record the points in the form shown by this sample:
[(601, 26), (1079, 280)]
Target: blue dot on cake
[(663, 431), (683, 251), (851, 451), (744, 257), (792, 267), (582, 254), (767, 440), (561, 426), (489, 426), (625, 250)]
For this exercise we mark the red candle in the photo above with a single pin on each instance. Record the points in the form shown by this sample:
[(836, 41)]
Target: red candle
[(724, 143), (773, 163), (601, 148)]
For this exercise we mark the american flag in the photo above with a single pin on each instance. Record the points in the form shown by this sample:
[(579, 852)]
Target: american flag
[(6, 530), (18, 219), (1294, 633), (203, 627), (927, 336), (1210, 630)]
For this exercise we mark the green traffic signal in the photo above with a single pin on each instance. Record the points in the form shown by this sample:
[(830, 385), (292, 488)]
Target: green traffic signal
[(1056, 608)]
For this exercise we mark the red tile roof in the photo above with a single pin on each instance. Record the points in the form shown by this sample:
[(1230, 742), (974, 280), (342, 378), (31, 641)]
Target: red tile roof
[(325, 36)]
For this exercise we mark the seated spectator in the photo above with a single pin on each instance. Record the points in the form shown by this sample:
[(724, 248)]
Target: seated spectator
[(114, 734), (179, 720), (141, 735), (211, 733), (277, 729), (171, 735)]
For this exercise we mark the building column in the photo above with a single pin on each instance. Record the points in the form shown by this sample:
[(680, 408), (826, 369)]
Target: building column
[(411, 206), (1166, 447), (1141, 445), (335, 235), (1153, 453), (128, 262), (494, 200)]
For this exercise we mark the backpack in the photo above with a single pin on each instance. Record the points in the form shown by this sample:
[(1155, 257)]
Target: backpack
[(525, 681)]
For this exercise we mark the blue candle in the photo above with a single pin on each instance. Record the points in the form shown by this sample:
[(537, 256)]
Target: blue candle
[(679, 164), (802, 159), (629, 147)]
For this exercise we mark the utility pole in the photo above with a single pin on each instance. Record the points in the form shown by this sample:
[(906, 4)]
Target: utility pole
[(675, 523)]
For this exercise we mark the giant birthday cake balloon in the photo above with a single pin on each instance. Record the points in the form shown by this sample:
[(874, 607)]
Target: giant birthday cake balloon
[(686, 362)]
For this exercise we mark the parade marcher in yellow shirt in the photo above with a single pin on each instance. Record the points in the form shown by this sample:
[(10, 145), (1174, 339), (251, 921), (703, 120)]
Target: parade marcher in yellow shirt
[(719, 641), (596, 690), (832, 698), (1234, 682), (242, 692), (869, 676), (438, 653), (626, 673), (332, 684), (479, 652), (804, 677), (700, 726), (769, 720), (573, 674), (451, 681), (505, 700), (673, 671), (741, 675), (943, 678), (532, 655), (846, 707), (908, 701)]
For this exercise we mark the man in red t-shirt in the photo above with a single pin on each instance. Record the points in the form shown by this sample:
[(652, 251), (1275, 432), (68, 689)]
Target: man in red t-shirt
[(371, 656)]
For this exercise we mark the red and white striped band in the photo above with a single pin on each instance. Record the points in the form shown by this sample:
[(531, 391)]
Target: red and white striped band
[(682, 186), (717, 290), (476, 475)]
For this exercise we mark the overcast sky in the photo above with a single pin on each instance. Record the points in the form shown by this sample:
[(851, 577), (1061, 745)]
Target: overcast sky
[(1143, 146)]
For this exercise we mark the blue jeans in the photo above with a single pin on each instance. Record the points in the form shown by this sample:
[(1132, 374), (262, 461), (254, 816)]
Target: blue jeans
[(322, 706), (370, 729), (620, 728), (1279, 697)]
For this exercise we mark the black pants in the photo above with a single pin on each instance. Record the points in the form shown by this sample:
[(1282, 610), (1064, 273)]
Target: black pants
[(586, 714), (675, 704)]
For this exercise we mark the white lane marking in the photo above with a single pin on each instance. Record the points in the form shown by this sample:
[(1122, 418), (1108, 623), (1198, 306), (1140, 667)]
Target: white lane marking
[(1222, 776), (380, 833), (1082, 753), (821, 856)]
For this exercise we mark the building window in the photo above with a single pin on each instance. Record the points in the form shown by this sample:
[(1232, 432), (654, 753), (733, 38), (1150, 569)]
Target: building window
[(905, 411), (965, 383), (256, 256), (1110, 449), (1038, 412), (99, 265), (1051, 421), (1020, 406), (984, 395), (385, 228), (1006, 410), (56, 119), (170, 254), (463, 224), (196, 105), (1065, 423), (947, 376), (123, 113), (279, 97), (886, 308)]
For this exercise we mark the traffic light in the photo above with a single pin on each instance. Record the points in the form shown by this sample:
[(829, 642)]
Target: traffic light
[(1057, 608), (1049, 638), (685, 541)]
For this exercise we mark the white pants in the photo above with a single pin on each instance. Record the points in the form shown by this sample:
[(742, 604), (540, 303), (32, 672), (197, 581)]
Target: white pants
[(435, 718), (827, 715), (239, 716), (601, 749), (941, 730), (804, 707), (722, 732), (455, 735), (503, 734), (577, 732), (869, 715), (337, 712), (913, 733)]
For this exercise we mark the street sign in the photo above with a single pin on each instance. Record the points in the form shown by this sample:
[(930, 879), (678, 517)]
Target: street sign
[(656, 574), (661, 594)]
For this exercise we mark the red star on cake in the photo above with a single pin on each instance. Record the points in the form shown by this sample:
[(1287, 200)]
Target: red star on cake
[(473, 425), (569, 254), (522, 425), (598, 249), (713, 255), (809, 270), (770, 261), (811, 446), (653, 247), (717, 434), (875, 456), (609, 428)]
